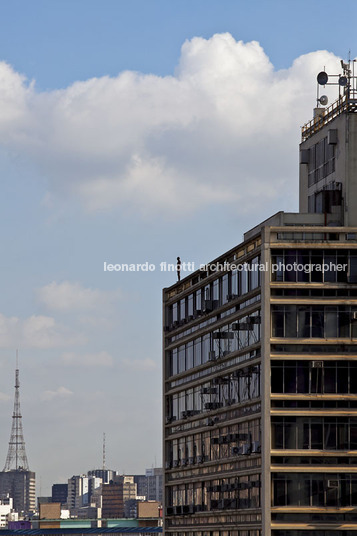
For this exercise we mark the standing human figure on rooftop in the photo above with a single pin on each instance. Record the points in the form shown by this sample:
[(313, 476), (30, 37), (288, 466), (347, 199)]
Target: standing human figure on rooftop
[(178, 268)]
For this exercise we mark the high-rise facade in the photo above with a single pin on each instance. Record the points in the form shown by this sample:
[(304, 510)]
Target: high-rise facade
[(154, 484), (260, 363), (59, 493)]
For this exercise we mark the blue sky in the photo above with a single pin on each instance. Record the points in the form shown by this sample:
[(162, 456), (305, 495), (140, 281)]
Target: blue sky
[(134, 131)]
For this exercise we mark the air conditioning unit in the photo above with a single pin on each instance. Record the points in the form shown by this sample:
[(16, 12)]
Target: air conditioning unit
[(231, 297), (243, 504), (215, 441), (191, 412), (230, 401), (184, 461), (177, 510), (213, 405), (317, 364), (235, 451), (176, 463), (221, 380), (168, 465), (256, 484), (242, 485), (243, 437), (212, 356), (222, 440), (332, 484), (170, 510), (200, 459), (246, 449), (256, 447), (212, 421), (242, 326), (209, 391), (191, 461), (208, 306), (254, 320)]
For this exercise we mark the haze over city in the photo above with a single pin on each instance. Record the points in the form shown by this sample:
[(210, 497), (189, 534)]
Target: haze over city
[(129, 134)]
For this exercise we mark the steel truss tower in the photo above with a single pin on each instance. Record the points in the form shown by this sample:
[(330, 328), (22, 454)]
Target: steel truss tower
[(16, 457)]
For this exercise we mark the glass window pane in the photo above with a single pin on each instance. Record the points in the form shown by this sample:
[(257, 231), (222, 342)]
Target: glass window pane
[(303, 322), (317, 323), (290, 379), (278, 323), (290, 321)]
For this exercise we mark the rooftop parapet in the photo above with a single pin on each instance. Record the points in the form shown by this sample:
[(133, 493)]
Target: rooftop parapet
[(326, 115)]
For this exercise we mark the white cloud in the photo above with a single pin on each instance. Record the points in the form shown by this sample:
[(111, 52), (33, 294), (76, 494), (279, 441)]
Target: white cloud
[(138, 365), (99, 359), (36, 331), (224, 127), (61, 392), (67, 296)]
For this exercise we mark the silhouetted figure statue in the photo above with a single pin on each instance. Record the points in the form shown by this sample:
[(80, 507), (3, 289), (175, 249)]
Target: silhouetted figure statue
[(178, 268)]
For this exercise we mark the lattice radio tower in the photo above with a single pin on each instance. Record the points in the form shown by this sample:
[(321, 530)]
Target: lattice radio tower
[(16, 457)]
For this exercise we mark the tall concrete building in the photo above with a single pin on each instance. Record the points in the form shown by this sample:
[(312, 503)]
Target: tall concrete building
[(154, 484), (260, 361), (81, 489), (59, 493)]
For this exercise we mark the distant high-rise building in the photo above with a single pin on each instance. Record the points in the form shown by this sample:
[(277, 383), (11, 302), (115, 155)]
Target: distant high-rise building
[(81, 489), (16, 479), (6, 506), (141, 482), (129, 488), (112, 500), (105, 474), (60, 493), (155, 484)]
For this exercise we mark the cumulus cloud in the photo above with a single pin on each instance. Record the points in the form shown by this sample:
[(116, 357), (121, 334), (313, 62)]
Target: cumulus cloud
[(68, 296), (36, 331), (61, 392), (99, 359), (226, 124)]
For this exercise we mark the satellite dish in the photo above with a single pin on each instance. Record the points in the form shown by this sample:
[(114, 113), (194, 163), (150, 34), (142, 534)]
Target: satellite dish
[(323, 99), (322, 78), (342, 80)]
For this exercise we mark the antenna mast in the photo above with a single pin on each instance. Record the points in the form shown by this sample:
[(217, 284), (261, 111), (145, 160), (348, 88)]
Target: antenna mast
[(104, 451), (16, 457)]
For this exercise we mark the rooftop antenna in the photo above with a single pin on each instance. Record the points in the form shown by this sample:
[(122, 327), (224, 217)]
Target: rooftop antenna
[(16, 455), (103, 451)]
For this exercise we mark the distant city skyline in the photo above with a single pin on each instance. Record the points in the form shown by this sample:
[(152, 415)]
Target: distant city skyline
[(127, 135)]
